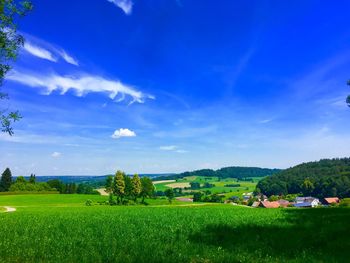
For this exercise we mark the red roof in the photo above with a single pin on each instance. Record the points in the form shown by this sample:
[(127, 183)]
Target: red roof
[(332, 200), (268, 204)]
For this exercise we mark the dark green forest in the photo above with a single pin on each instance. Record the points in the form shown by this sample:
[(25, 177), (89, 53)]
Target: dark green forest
[(227, 172), (324, 178)]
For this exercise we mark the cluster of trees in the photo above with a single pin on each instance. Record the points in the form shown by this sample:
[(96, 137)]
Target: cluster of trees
[(227, 172), (21, 184), (327, 177), (71, 188), (126, 188), (202, 197), (7, 184), (197, 185)]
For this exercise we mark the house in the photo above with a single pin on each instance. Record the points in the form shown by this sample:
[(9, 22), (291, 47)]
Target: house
[(283, 203), (268, 204), (306, 202), (246, 197), (256, 204), (331, 200), (307, 199)]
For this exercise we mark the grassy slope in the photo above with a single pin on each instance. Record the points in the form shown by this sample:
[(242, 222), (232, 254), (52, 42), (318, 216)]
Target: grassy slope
[(216, 233)]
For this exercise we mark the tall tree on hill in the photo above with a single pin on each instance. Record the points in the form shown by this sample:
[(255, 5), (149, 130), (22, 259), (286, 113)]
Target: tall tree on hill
[(119, 186), (32, 179), (147, 188), (10, 42), (136, 186), (6, 180)]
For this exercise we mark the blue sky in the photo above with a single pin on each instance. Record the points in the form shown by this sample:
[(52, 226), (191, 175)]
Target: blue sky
[(153, 86)]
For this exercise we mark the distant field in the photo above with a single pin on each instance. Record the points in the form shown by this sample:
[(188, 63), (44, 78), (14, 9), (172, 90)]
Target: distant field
[(50, 232), (220, 188), (178, 185)]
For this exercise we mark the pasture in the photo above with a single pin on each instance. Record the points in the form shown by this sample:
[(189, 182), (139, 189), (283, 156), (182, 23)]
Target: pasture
[(219, 188), (63, 229)]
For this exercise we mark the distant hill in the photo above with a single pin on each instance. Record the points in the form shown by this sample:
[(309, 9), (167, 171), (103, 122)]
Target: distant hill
[(227, 172), (327, 177), (95, 180)]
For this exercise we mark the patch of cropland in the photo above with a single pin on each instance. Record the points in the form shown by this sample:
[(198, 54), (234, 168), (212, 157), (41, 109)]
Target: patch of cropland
[(203, 233)]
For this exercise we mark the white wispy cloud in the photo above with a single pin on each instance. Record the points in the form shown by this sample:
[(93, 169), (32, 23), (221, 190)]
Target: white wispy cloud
[(39, 52), (172, 148), (48, 51), (123, 133), (125, 5), (68, 58), (82, 85), (168, 148), (56, 154)]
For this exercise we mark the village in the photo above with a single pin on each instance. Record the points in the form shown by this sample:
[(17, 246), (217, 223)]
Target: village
[(299, 202)]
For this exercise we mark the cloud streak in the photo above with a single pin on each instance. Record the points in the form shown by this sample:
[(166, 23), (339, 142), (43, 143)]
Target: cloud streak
[(125, 5), (81, 85), (47, 51), (39, 52), (168, 148)]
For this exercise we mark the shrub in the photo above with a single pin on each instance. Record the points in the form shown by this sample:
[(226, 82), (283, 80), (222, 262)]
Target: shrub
[(88, 202)]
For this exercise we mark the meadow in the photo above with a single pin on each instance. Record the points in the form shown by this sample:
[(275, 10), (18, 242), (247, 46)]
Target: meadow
[(63, 229), (219, 188)]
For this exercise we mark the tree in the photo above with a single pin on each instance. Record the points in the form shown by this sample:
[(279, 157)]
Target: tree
[(128, 186), (32, 179), (147, 188), (119, 186), (10, 42), (109, 184), (348, 98), (307, 186), (6, 180), (136, 186), (169, 193)]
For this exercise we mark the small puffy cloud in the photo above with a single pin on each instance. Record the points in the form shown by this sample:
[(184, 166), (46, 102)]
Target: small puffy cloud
[(168, 148), (82, 85), (123, 133), (125, 5), (56, 154), (39, 52)]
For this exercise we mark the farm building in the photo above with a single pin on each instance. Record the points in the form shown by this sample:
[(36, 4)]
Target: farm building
[(306, 202), (268, 204), (256, 204), (307, 199), (283, 203), (331, 200)]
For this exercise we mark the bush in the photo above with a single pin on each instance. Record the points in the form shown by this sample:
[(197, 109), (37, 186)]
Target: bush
[(345, 202), (88, 202)]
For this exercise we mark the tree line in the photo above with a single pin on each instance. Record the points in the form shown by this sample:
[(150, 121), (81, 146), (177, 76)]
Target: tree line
[(325, 178), (21, 184), (226, 172)]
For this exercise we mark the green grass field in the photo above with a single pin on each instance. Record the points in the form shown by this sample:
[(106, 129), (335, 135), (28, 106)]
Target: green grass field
[(60, 228), (219, 188)]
